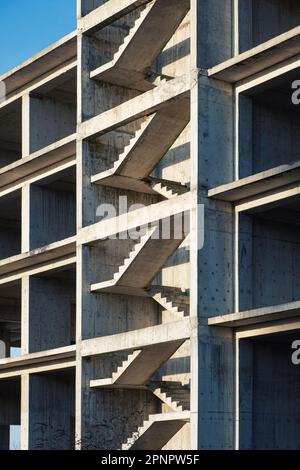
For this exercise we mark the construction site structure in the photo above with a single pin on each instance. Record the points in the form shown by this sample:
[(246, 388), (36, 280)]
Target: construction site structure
[(149, 201)]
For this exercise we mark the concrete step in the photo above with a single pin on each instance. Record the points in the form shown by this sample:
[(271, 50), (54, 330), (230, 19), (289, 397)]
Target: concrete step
[(146, 40), (167, 189), (157, 431), (173, 394), (139, 366), (146, 260), (148, 147), (179, 310)]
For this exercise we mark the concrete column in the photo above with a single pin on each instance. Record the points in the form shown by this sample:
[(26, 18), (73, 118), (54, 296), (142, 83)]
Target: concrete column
[(213, 290), (25, 218), (26, 125), (25, 411), (25, 302)]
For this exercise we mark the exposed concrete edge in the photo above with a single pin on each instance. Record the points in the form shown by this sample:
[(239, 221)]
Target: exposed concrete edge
[(171, 416), (259, 315), (46, 360), (47, 253), (107, 13), (259, 58), (137, 107), (45, 158), (256, 184), (140, 217), (176, 331), (40, 63)]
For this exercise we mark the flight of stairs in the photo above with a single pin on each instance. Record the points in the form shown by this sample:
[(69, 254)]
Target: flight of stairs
[(167, 189), (156, 432), (168, 300), (139, 366), (152, 30), (173, 394), (125, 154), (147, 258), (116, 376), (145, 150)]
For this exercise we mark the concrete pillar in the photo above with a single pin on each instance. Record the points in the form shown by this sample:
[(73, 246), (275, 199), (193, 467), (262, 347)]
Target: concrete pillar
[(213, 288), (25, 411)]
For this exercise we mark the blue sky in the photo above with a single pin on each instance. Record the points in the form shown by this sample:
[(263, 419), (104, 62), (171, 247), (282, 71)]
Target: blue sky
[(28, 26)]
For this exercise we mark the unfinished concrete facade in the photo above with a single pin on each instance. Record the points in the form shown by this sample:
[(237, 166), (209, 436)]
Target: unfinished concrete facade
[(153, 342)]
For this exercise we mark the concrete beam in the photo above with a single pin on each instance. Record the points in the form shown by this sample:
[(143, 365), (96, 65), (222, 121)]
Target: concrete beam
[(138, 339), (131, 220), (39, 162), (60, 358), (45, 79), (259, 315), (257, 184), (138, 107), (259, 58), (47, 60), (23, 262)]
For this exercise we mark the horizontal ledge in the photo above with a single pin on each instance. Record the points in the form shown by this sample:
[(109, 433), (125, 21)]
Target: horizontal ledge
[(259, 183), (113, 180), (38, 161), (131, 220), (25, 261), (58, 357), (108, 13), (50, 58), (171, 416), (40, 82), (256, 316), (109, 287), (259, 58), (138, 107), (170, 332)]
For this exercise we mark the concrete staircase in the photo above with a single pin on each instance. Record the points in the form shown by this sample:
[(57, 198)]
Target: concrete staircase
[(143, 263), (151, 32), (157, 431), (167, 189), (138, 368), (173, 394), (173, 300), (145, 150)]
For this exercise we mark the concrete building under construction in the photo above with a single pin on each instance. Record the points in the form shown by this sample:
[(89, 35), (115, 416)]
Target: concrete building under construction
[(174, 113)]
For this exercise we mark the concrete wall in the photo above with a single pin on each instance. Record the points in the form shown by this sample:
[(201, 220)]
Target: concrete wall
[(269, 395), (264, 142), (268, 255), (10, 411), (50, 121), (52, 215), (261, 20), (50, 310), (51, 412)]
